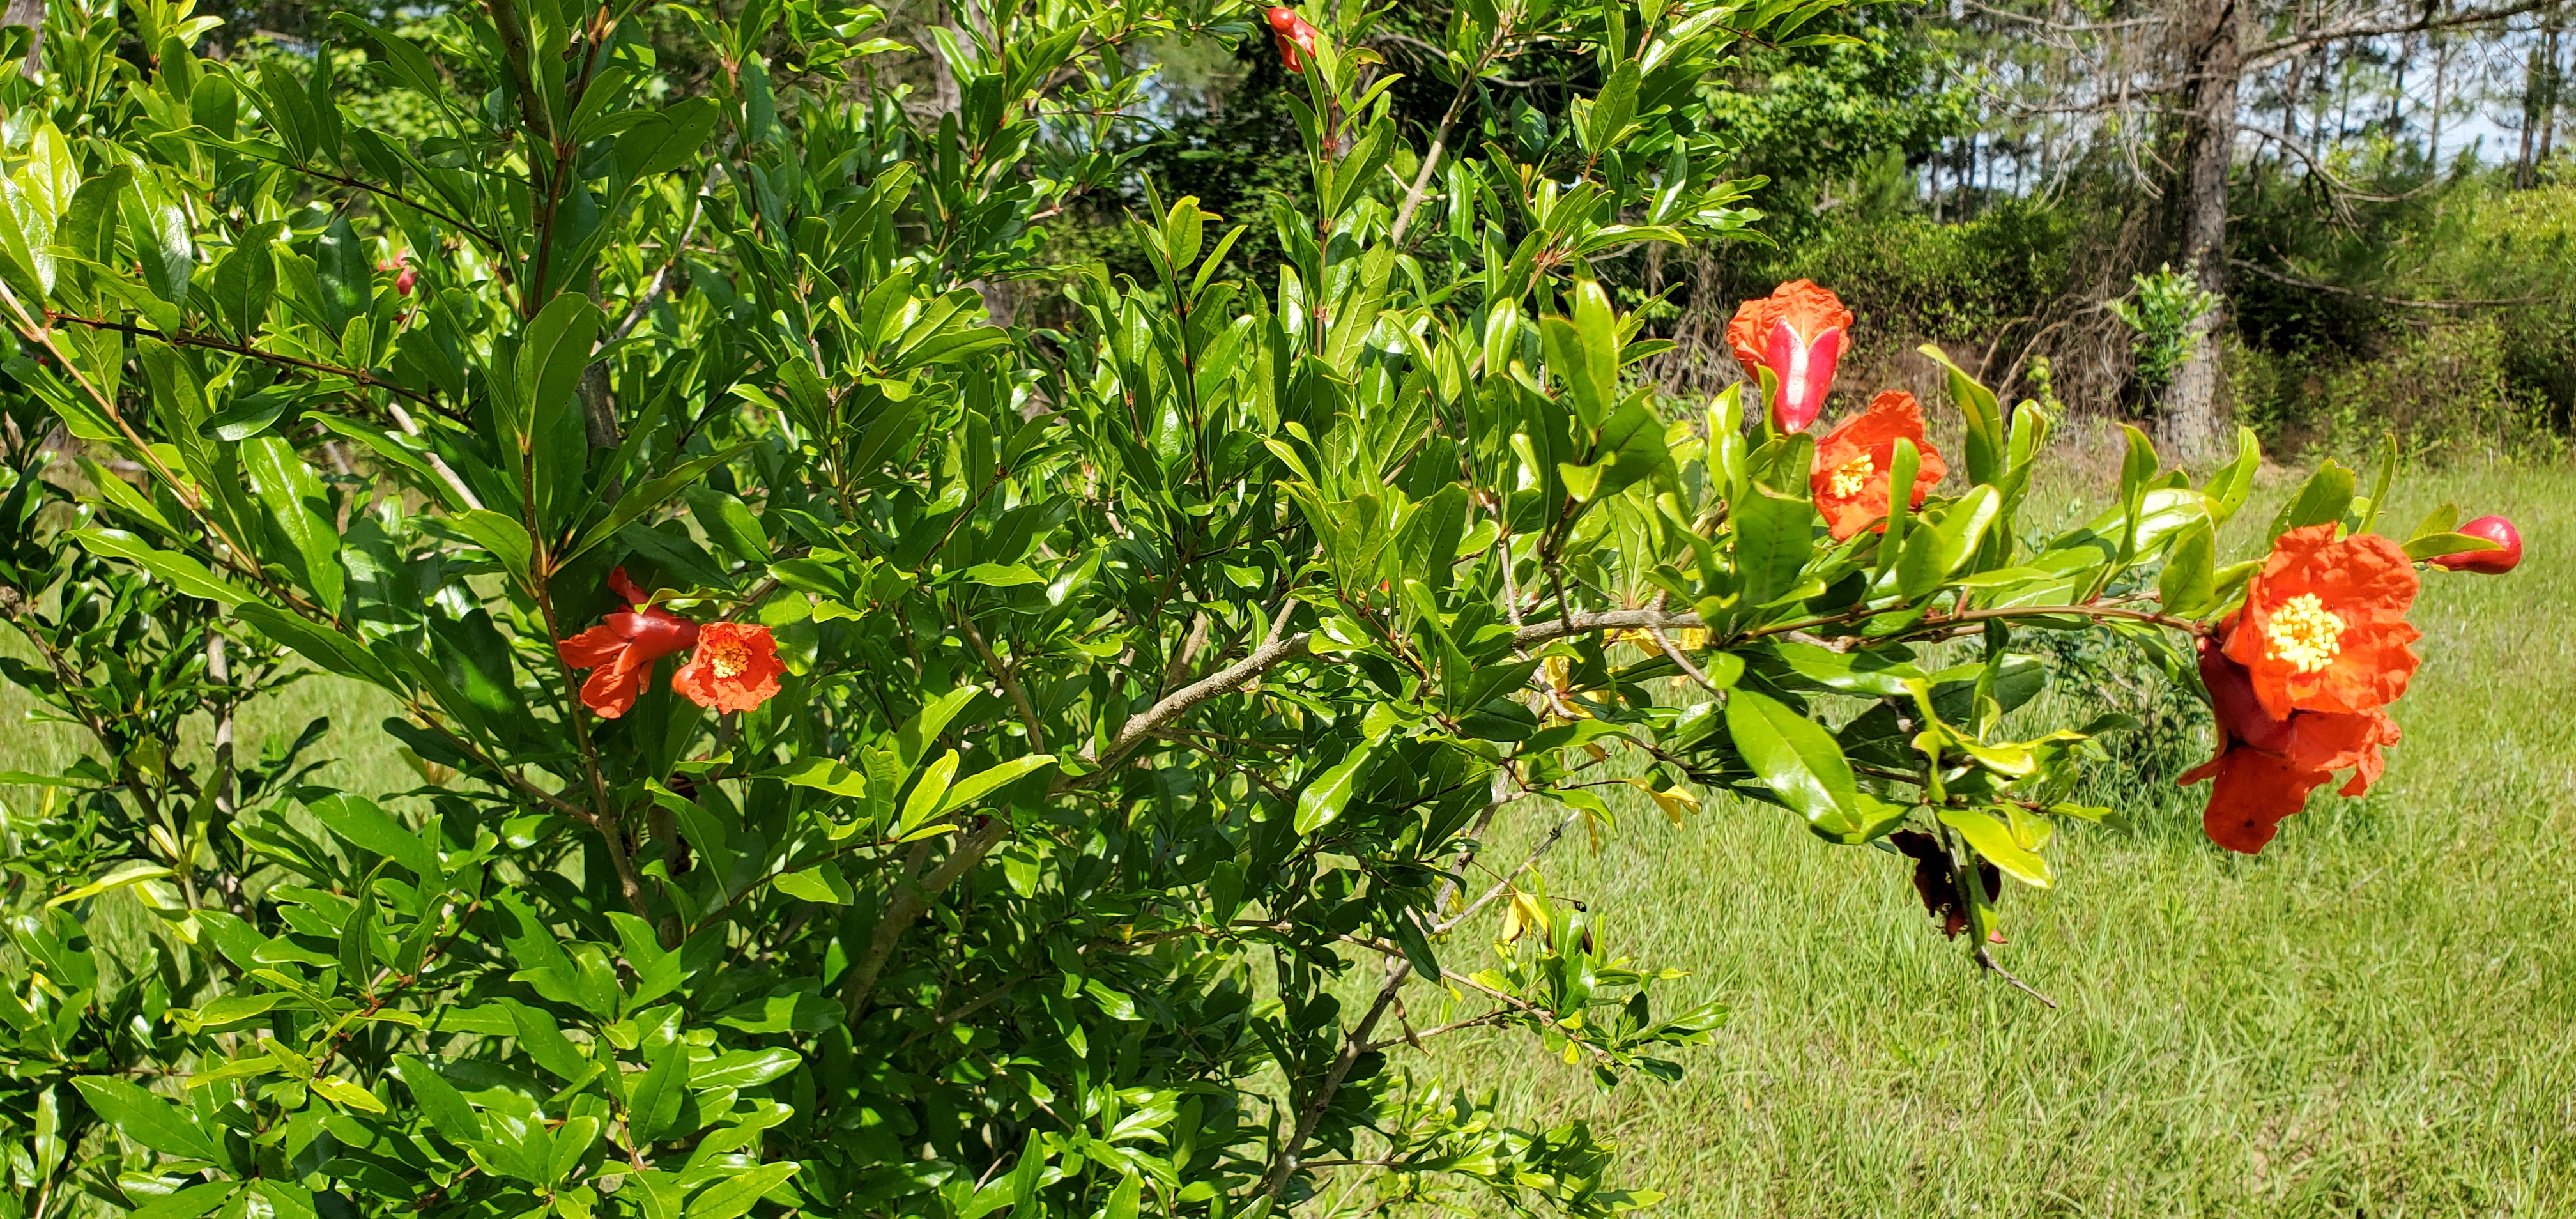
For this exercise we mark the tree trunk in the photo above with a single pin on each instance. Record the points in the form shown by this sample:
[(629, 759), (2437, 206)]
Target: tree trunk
[(2213, 70), (31, 14), (2441, 75), (2532, 88), (2552, 80)]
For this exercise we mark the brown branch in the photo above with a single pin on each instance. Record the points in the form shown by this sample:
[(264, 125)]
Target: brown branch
[(1296, 647), (188, 339), (475, 231), (1440, 137), (2477, 17), (910, 901), (2373, 297)]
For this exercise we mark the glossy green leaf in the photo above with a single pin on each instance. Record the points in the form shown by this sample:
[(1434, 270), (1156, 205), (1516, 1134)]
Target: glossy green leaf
[(734, 1195), (2435, 545), (1994, 841), (1323, 800), (300, 512), (2186, 584), (1797, 760), (182, 572), (1774, 535), (147, 1119)]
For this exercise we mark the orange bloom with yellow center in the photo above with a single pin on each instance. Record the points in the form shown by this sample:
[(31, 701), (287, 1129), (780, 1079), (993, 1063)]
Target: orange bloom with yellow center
[(1798, 333), (2324, 627), (1855, 461), (734, 669)]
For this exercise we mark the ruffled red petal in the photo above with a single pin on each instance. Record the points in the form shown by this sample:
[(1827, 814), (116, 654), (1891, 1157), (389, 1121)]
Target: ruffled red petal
[(2368, 584), (2253, 793), (1872, 435), (748, 650)]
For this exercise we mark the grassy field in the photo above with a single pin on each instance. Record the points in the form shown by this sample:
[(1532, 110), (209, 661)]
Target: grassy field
[(2372, 1018)]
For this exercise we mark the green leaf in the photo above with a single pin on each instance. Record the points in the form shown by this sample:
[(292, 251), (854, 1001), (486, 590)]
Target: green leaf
[(729, 523), (161, 239), (656, 1100), (743, 1069), (132, 871), (440, 1103), (368, 827), (181, 572), (1323, 799), (2435, 545), (924, 803), (1611, 108), (1933, 553), (553, 350), (651, 495), (1987, 447), (2442, 519), (1124, 1200), (1861, 671), (231, 1008), (1774, 534), (1994, 840), (821, 774), (342, 268), (299, 509), (821, 883), (187, 1203), (1798, 761), (1002, 575), (984, 782), (325, 647), (2325, 497), (923, 729), (147, 1119), (734, 1195), (2189, 575), (543, 1041), (346, 1094), (507, 539)]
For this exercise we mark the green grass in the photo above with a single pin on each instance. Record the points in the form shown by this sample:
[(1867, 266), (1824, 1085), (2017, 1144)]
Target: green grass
[(2372, 1018)]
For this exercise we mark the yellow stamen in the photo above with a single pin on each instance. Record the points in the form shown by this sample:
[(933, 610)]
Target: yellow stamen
[(1849, 477), (2305, 633), (729, 659)]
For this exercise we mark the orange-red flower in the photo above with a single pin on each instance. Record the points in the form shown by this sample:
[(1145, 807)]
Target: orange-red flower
[(2324, 626), (734, 669), (1798, 333), (622, 648), (1855, 460), (1292, 34), (2265, 767)]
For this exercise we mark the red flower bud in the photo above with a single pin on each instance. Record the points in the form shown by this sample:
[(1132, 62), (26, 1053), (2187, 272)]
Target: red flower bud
[(1292, 34), (2495, 529), (1797, 332), (404, 281)]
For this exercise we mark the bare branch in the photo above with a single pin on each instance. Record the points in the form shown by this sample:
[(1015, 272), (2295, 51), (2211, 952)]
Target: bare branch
[(1296, 647), (2373, 297), (2476, 17)]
